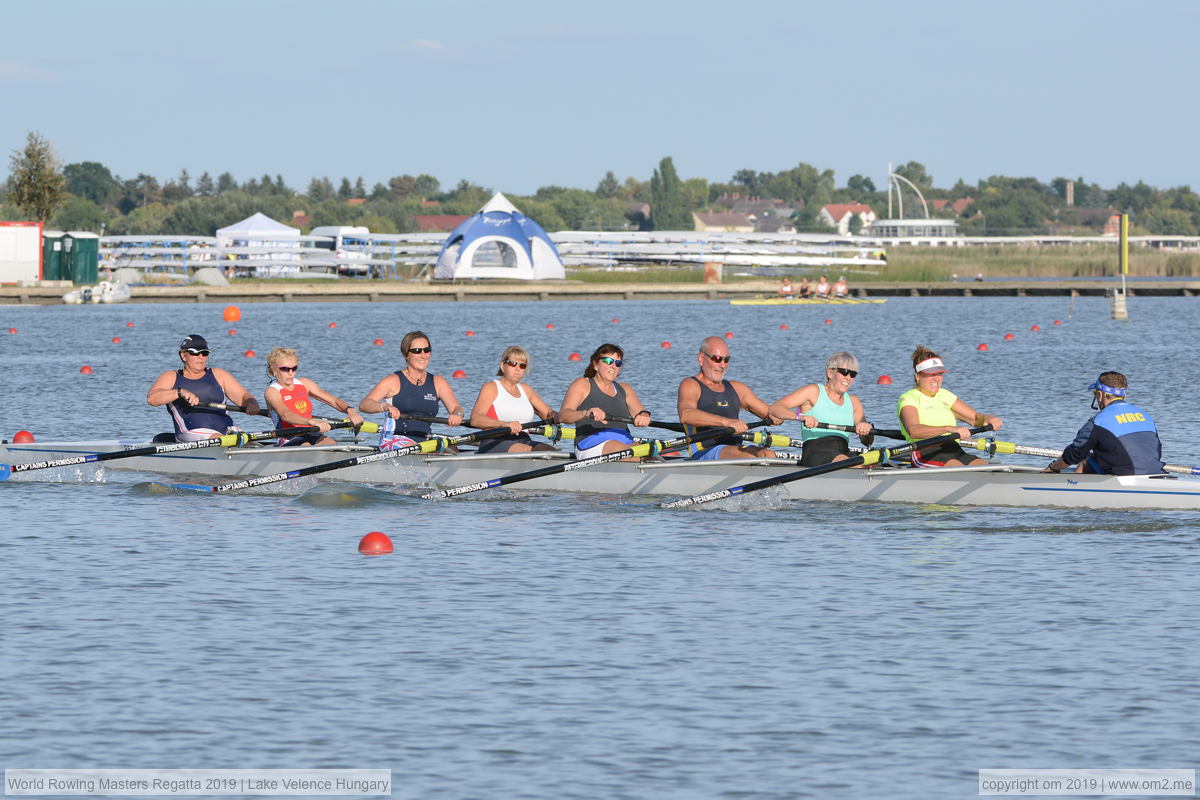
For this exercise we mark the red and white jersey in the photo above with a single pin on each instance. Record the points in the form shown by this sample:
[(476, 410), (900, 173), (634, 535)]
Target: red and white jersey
[(295, 399)]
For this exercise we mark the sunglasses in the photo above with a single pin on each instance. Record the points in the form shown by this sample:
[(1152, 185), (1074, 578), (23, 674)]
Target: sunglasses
[(616, 362), (419, 350), (286, 369), (849, 373), (517, 364), (193, 351), (717, 359)]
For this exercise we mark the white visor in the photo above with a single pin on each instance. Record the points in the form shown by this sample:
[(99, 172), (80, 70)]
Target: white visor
[(934, 364)]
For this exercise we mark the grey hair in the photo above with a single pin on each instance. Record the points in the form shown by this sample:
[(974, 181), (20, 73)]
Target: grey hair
[(842, 359)]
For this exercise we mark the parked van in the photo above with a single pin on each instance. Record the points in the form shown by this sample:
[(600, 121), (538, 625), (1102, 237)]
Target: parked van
[(348, 244)]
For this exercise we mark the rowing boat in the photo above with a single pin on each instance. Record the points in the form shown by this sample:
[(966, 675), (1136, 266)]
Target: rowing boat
[(805, 301), (987, 485)]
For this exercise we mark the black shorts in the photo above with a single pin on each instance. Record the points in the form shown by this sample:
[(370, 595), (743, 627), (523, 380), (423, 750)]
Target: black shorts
[(502, 444), (304, 438), (823, 450), (938, 456)]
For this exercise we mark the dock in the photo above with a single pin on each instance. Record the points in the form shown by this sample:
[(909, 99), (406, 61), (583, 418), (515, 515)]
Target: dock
[(360, 291)]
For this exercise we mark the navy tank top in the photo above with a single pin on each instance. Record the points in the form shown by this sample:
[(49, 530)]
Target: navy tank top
[(611, 406), (724, 403), (414, 399), (188, 418)]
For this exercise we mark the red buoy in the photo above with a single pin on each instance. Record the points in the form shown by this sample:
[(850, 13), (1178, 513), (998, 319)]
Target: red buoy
[(333, 324), (574, 357), (728, 334), (884, 380), (666, 345), (1058, 322), (116, 340), (12, 330), (783, 327), (549, 326), (616, 320), (375, 543), (232, 313), (23, 437), (1035, 328), (828, 322), (378, 342), (458, 373), (233, 331), (249, 354), (1008, 337), (982, 347), (85, 370), (128, 324)]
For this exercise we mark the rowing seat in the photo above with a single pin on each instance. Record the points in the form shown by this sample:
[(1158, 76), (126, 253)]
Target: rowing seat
[(163, 438)]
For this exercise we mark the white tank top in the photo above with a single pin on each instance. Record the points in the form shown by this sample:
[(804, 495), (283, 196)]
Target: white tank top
[(508, 408)]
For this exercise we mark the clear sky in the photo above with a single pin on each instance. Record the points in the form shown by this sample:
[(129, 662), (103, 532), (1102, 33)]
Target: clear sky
[(520, 94)]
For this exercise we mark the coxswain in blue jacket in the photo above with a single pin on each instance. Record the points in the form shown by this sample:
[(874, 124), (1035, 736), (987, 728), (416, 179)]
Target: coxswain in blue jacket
[(1120, 440)]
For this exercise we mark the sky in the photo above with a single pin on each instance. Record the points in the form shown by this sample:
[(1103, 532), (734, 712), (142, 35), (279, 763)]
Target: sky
[(520, 94)]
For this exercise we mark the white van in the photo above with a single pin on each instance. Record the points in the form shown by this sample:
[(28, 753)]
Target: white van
[(348, 244)]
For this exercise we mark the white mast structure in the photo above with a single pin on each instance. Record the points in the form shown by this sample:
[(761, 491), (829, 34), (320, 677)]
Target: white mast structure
[(894, 180)]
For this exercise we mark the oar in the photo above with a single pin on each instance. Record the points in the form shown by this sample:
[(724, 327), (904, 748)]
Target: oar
[(266, 413), (890, 433), (640, 450), (427, 446), (228, 440), (991, 447), (869, 457)]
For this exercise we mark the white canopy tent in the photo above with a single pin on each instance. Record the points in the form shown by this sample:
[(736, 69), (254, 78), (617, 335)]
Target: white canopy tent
[(499, 242), (260, 231)]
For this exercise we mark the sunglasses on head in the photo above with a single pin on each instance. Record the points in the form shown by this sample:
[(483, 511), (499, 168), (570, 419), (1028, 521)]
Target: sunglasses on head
[(286, 369), (517, 364), (717, 359), (849, 373), (420, 350), (616, 362), (193, 351)]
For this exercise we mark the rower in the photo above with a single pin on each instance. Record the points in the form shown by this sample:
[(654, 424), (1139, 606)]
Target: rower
[(786, 290), (840, 289), (506, 402), (708, 400), (1119, 440), (806, 288), (832, 404), (594, 401), (196, 382), (290, 399), (823, 286), (413, 390), (928, 410)]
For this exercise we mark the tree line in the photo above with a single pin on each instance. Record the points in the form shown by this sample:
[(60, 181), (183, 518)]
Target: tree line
[(86, 195)]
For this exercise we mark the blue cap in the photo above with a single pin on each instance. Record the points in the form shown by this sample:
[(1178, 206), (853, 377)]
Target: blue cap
[(1104, 387)]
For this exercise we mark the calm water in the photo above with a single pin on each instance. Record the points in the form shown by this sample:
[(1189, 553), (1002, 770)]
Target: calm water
[(538, 646)]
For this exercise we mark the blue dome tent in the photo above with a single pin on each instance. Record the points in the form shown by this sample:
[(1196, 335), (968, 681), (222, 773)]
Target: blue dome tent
[(499, 242)]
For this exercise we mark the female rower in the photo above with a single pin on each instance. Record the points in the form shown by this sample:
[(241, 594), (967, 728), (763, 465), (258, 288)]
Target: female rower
[(930, 410), (411, 391), (182, 390), (594, 401), (832, 404), (822, 288), (288, 398), (505, 402), (786, 289)]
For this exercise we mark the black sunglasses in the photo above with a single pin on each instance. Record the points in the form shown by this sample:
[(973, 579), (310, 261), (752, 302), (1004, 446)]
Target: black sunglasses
[(287, 369), (193, 351), (616, 362), (849, 373), (420, 349), (717, 359), (517, 364)]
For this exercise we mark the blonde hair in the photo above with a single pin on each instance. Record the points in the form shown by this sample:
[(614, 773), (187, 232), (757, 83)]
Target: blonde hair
[(842, 359), (516, 353), (279, 353)]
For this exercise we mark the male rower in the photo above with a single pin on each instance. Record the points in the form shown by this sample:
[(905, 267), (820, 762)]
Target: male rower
[(707, 400), (1120, 440), (182, 390)]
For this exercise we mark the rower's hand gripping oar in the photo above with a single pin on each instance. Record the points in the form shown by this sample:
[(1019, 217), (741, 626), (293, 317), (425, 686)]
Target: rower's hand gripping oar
[(991, 447), (891, 433), (366, 427), (869, 457), (640, 450), (227, 440), (427, 446)]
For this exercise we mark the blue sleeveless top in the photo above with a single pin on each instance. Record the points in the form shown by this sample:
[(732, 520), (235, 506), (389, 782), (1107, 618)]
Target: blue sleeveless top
[(414, 399), (724, 403), (611, 406), (187, 418)]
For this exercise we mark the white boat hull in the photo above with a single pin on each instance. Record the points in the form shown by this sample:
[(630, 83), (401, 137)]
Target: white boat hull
[(990, 485)]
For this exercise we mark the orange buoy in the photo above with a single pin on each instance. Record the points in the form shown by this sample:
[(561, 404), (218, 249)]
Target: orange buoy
[(783, 327), (884, 380), (470, 333), (574, 357), (1008, 337), (982, 347), (549, 326), (1058, 322), (23, 437), (249, 354), (458, 373), (333, 324), (375, 543), (1035, 328), (85, 370), (116, 340), (128, 324), (616, 320), (378, 342), (666, 345), (232, 313)]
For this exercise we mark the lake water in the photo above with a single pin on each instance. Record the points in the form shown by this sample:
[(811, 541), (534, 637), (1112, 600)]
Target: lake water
[(541, 646)]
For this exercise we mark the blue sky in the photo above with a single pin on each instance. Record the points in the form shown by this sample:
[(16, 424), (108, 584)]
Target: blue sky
[(521, 94)]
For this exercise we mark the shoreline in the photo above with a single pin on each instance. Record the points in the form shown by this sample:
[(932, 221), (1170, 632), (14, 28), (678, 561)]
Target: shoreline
[(390, 291)]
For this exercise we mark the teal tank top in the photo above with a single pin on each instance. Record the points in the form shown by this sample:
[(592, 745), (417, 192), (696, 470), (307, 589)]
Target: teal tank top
[(829, 412)]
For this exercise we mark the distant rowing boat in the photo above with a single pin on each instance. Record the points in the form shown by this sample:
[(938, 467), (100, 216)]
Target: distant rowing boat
[(988, 485), (806, 301)]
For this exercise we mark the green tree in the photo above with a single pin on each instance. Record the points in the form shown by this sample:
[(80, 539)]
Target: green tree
[(426, 186), (36, 183), (345, 190), (667, 212), (90, 180), (225, 183), (860, 185), (360, 189), (319, 190), (915, 172), (608, 186), (80, 214), (205, 186)]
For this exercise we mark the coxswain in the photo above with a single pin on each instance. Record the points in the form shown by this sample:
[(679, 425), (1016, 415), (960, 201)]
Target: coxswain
[(1119, 440)]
